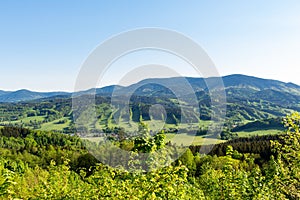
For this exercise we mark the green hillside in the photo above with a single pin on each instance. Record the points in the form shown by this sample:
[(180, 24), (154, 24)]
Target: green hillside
[(248, 100)]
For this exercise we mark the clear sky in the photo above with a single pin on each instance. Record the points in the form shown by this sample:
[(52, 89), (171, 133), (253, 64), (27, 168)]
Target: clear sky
[(44, 43)]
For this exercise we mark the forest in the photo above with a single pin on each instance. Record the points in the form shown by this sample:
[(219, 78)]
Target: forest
[(38, 164)]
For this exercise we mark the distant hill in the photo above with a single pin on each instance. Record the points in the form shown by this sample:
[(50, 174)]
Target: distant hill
[(3, 92), (248, 98), (242, 83), (26, 95), (238, 88), (236, 81)]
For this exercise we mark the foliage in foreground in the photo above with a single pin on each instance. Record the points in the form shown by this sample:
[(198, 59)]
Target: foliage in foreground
[(233, 176)]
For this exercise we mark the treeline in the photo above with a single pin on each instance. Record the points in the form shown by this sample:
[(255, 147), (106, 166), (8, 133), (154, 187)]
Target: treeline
[(257, 145), (11, 131), (273, 123), (38, 148)]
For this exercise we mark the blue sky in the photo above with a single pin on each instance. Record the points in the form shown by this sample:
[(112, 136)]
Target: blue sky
[(44, 43)]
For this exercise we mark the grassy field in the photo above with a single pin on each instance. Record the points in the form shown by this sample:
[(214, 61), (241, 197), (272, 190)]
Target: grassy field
[(94, 139), (154, 125), (54, 125), (185, 139), (34, 118), (26, 120), (250, 133), (178, 139)]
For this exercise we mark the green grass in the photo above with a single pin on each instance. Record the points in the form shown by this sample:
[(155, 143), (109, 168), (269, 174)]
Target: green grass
[(54, 126), (34, 118), (258, 132), (189, 125), (26, 120), (177, 139), (94, 139), (185, 139)]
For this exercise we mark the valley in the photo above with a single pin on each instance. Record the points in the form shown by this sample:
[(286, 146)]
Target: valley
[(254, 106)]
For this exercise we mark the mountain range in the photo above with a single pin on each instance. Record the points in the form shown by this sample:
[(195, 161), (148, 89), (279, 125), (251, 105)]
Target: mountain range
[(236, 86)]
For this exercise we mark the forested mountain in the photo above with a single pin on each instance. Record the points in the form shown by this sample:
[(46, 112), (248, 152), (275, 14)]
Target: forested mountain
[(248, 98), (235, 81), (3, 92), (235, 86)]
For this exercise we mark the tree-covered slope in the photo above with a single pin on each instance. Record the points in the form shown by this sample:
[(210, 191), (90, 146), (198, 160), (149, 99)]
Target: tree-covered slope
[(247, 99)]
